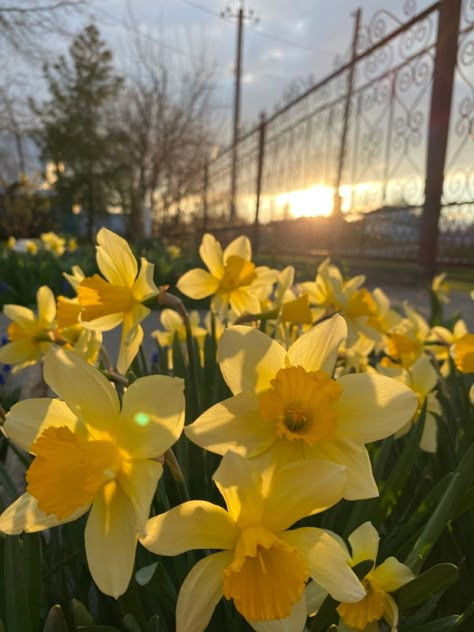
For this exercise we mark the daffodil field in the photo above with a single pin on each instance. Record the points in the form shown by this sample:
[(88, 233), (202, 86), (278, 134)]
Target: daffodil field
[(298, 457)]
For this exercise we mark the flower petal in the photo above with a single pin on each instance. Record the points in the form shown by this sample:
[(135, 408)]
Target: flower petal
[(360, 481), (138, 479), (144, 286), (240, 483), (152, 416), (428, 441), (46, 307), (28, 418), (317, 349), (249, 359), (84, 389), (391, 575), (20, 352), (197, 283), (103, 323), (201, 592), (111, 540), (241, 247), (24, 516), (115, 259), (364, 543), (373, 407), (234, 424), (300, 489), (22, 316), (210, 252), (390, 612), (243, 300), (327, 563), (294, 623), (196, 524)]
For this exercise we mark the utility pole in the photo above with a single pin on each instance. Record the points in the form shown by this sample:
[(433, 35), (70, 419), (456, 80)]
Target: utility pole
[(241, 15)]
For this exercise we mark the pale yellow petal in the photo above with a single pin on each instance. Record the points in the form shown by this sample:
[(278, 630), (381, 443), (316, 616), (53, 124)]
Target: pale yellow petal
[(373, 407), (233, 424), (171, 320), (84, 389), (327, 563), (240, 247), (201, 592), (104, 323), (243, 300), (28, 418), (294, 623), (390, 612), (131, 339), (364, 543), (196, 524), (138, 479), (360, 481), (210, 252), (115, 259), (318, 348), (300, 489), (46, 307), (23, 316), (428, 441), (111, 540), (315, 596), (144, 287), (152, 416), (21, 352), (24, 516), (391, 575), (249, 359), (197, 283), (423, 375), (240, 483)]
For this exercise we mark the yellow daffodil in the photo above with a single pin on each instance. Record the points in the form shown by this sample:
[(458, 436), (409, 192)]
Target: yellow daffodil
[(173, 326), (90, 454), (54, 243), (406, 342), (462, 352), (31, 247), (232, 278), (28, 333), (11, 243), (118, 299), (422, 379), (72, 244), (381, 580), (287, 406), (440, 287), (263, 566), (327, 288), (447, 338), (75, 278)]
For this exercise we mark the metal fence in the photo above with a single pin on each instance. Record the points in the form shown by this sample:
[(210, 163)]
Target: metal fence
[(381, 150)]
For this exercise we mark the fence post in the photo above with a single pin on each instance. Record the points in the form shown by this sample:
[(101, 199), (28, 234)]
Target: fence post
[(440, 113), (260, 159), (205, 188), (347, 110)]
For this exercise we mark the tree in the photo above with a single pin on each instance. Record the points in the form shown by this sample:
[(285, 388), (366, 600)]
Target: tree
[(72, 131), (161, 126)]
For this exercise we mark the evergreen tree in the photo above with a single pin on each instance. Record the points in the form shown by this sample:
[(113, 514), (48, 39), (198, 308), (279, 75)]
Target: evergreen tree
[(72, 131)]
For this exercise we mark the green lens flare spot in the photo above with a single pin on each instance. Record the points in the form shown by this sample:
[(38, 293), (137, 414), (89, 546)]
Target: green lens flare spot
[(142, 419)]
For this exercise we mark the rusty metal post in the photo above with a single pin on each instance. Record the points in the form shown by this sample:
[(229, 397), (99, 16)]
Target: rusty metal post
[(440, 112), (347, 111), (260, 158), (205, 188)]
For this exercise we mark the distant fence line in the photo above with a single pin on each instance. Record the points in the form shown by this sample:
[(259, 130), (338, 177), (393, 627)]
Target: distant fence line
[(391, 131)]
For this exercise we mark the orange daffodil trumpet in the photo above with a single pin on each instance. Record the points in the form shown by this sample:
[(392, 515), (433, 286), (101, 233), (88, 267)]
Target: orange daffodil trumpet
[(263, 566), (287, 407), (117, 299), (92, 455), (233, 279)]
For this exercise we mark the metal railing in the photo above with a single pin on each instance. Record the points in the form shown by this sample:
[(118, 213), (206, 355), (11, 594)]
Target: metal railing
[(382, 150)]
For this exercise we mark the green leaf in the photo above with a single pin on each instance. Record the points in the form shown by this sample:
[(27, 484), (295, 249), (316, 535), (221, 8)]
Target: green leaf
[(80, 614), (17, 618), (96, 628), (440, 625), (434, 580), (131, 624), (55, 621), (154, 624)]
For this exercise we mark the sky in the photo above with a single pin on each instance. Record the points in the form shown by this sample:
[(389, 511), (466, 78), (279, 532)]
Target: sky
[(294, 41)]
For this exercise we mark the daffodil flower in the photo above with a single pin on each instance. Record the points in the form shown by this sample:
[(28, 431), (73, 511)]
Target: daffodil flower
[(28, 333), (90, 454), (233, 279), (377, 604), (422, 379), (263, 567), (173, 326), (462, 352), (118, 299), (286, 405)]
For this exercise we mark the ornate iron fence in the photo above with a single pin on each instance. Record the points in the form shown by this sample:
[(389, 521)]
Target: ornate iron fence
[(383, 147)]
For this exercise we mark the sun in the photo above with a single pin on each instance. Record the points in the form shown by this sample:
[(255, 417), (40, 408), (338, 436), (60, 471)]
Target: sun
[(315, 201)]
